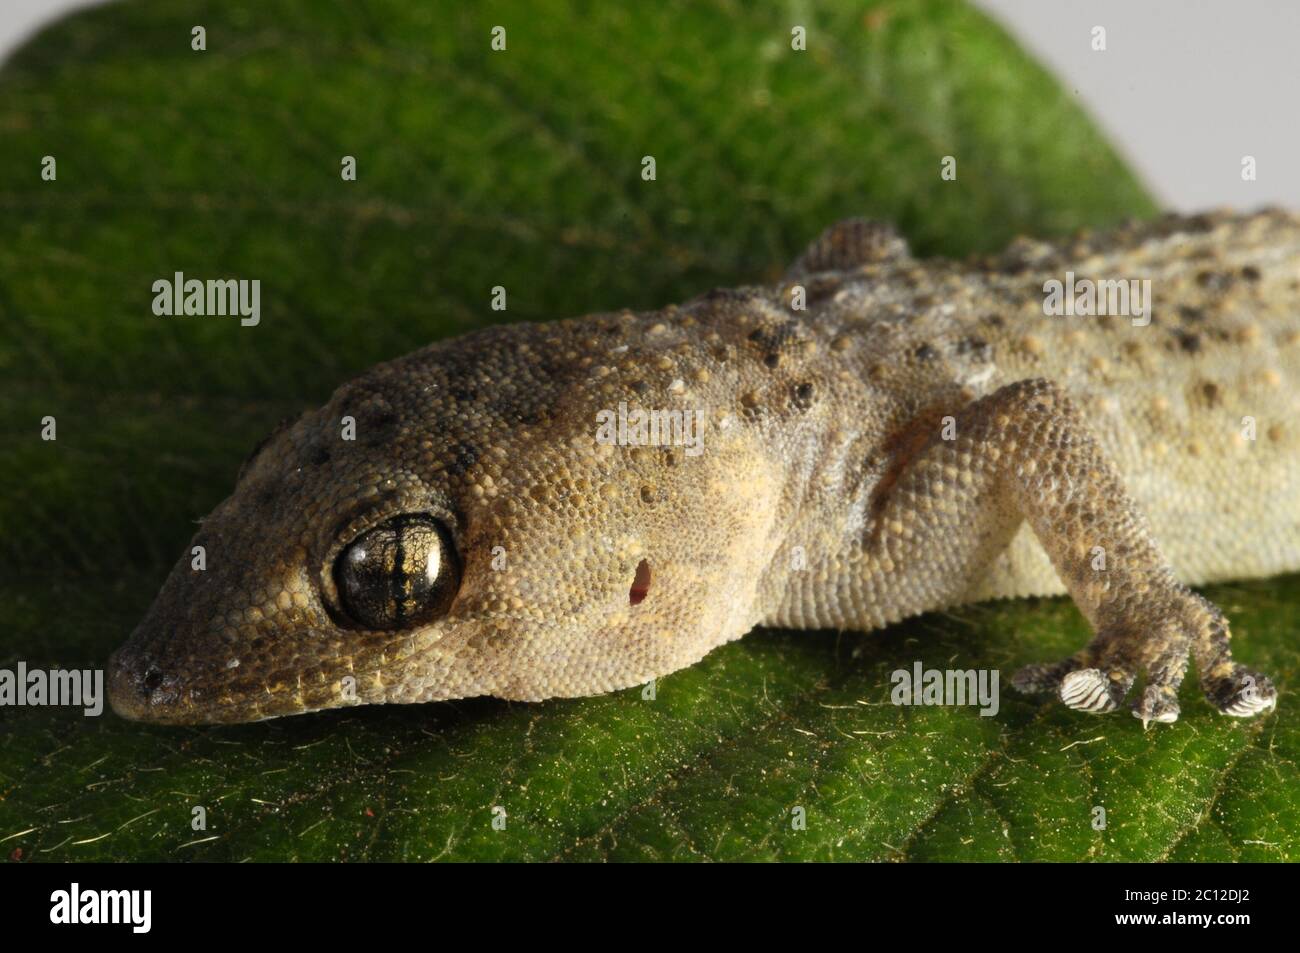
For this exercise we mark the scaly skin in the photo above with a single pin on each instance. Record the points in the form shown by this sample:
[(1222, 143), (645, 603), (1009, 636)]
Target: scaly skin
[(922, 435)]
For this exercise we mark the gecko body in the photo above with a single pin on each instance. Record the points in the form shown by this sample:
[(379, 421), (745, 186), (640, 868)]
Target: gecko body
[(880, 436)]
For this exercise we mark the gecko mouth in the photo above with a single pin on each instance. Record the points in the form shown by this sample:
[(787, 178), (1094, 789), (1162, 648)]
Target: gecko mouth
[(151, 680)]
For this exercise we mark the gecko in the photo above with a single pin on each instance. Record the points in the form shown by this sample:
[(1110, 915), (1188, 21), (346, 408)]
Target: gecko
[(880, 436)]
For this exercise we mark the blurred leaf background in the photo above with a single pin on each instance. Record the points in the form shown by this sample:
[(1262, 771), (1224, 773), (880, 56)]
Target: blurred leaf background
[(522, 168)]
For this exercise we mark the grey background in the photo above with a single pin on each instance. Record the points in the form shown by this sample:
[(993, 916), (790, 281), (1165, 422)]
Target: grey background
[(1184, 89)]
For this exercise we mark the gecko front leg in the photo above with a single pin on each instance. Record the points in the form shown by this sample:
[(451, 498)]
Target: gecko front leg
[(1024, 453)]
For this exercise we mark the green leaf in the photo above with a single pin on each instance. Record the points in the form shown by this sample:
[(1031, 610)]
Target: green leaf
[(523, 169)]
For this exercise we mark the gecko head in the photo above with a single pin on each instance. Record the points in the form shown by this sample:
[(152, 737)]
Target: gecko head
[(449, 525)]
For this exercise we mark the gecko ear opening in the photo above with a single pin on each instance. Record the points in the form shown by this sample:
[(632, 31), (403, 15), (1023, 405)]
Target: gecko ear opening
[(640, 583)]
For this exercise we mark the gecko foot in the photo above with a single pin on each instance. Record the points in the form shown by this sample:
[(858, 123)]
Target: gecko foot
[(1098, 679), (1158, 703), (1240, 692)]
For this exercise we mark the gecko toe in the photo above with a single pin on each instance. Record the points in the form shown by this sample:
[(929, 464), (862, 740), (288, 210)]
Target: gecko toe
[(1042, 678), (1091, 690)]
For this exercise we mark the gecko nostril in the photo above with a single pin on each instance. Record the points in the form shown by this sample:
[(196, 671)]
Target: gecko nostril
[(640, 583), (153, 678)]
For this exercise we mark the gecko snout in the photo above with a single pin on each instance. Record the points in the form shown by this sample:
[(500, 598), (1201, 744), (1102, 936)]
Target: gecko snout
[(135, 685), (143, 688)]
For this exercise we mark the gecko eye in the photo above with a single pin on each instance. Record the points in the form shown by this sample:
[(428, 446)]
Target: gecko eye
[(398, 574)]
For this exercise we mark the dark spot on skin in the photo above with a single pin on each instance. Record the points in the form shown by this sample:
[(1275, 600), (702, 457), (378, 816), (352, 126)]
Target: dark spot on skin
[(649, 495), (1189, 342), (925, 353), (375, 426), (319, 457), (153, 678), (640, 584), (772, 359), (639, 387), (721, 353), (1210, 391), (1214, 280), (1250, 273), (774, 338), (464, 395), (973, 344), (463, 456), (1190, 315), (994, 320), (803, 394)]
